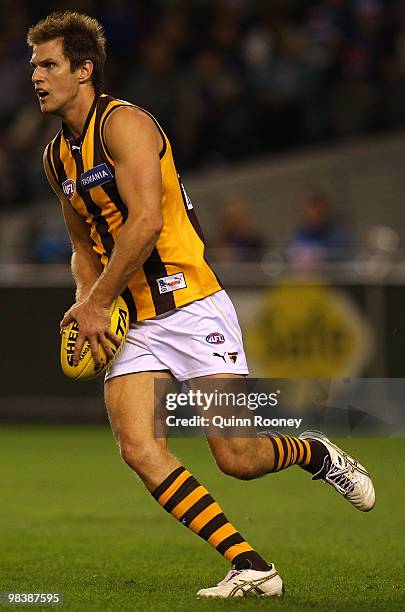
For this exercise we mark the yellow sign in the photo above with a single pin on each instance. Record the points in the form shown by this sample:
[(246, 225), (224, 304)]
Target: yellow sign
[(307, 331)]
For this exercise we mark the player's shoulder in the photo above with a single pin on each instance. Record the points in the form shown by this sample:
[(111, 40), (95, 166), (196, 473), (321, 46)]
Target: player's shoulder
[(128, 121), (130, 115)]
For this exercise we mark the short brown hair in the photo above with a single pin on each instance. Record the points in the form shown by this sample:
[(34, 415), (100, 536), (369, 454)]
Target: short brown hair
[(83, 39)]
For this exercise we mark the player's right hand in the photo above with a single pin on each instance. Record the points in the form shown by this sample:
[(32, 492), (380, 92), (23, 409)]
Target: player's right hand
[(93, 321)]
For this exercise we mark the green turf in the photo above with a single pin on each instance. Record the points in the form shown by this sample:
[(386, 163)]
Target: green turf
[(74, 519)]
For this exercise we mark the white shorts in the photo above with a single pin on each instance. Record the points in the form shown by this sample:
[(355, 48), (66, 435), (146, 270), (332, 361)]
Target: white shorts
[(200, 338)]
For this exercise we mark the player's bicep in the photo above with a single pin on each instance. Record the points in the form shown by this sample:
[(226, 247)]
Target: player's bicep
[(134, 143)]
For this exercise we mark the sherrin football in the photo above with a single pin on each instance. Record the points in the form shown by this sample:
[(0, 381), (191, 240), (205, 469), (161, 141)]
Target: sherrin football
[(86, 368)]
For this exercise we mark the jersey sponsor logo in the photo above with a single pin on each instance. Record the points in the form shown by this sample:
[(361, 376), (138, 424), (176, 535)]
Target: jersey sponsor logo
[(215, 338), (95, 176), (171, 283), (68, 187)]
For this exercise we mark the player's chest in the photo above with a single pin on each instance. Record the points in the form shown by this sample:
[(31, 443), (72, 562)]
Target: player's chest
[(86, 180), (86, 170)]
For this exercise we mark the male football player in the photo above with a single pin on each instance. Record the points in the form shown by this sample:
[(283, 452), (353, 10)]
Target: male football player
[(134, 232)]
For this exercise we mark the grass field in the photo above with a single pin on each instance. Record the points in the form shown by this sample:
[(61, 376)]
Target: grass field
[(74, 519)]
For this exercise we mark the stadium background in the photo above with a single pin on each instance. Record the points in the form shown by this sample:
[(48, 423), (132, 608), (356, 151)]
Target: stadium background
[(287, 120)]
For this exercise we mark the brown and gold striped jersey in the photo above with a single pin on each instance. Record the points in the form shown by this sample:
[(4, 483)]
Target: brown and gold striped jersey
[(176, 273)]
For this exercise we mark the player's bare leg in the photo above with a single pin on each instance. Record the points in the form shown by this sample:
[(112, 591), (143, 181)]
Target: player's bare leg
[(130, 404), (242, 457)]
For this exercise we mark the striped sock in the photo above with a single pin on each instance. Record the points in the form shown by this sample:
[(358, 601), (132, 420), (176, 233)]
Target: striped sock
[(190, 503), (288, 450)]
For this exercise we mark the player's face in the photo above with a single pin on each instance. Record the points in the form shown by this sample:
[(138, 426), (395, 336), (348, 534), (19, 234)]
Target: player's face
[(55, 84)]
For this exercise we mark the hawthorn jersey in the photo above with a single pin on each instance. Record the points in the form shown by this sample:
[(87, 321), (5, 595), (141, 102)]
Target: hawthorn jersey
[(176, 273)]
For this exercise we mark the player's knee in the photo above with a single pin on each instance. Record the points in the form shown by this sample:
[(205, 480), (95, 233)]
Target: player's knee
[(140, 457)]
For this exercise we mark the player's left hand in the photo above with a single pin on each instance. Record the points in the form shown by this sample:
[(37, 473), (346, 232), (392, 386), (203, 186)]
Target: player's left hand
[(93, 321)]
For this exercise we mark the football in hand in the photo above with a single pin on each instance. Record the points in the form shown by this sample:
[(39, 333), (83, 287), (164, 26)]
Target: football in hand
[(86, 368)]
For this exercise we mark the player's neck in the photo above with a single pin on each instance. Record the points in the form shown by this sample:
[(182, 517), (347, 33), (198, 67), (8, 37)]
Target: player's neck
[(75, 115)]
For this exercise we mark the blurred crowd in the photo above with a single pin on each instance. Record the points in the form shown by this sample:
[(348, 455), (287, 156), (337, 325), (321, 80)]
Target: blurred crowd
[(318, 233), (227, 79)]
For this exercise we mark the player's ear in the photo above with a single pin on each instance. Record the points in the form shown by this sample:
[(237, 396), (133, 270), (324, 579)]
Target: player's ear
[(86, 70)]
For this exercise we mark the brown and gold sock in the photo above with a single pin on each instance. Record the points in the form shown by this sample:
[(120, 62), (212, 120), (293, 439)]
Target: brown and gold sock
[(308, 454), (191, 504)]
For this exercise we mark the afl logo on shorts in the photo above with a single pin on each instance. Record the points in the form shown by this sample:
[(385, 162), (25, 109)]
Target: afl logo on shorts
[(68, 187), (215, 338)]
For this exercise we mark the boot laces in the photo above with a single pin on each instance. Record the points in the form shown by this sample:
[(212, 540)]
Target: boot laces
[(339, 477)]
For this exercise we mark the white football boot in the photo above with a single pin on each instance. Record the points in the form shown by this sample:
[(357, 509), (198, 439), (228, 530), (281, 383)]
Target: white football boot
[(247, 583), (344, 473)]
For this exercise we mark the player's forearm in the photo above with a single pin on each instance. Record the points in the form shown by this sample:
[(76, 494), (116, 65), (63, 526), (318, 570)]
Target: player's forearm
[(133, 246), (86, 269)]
